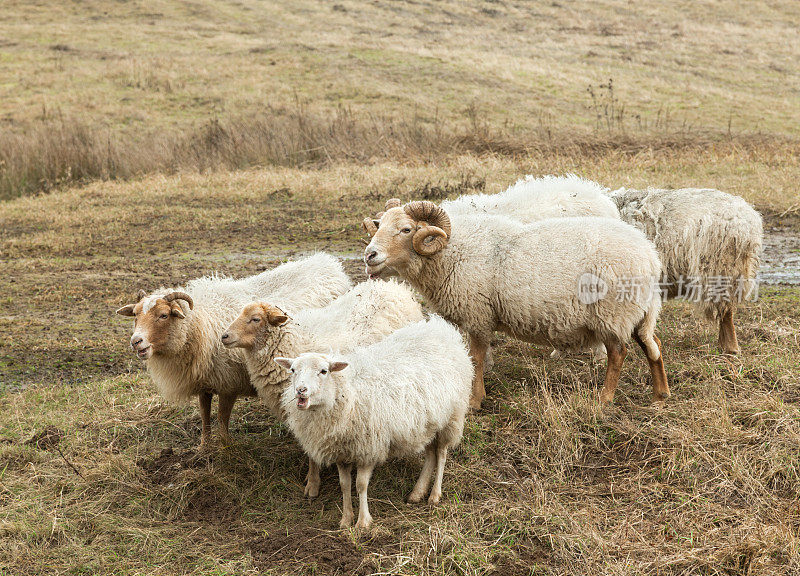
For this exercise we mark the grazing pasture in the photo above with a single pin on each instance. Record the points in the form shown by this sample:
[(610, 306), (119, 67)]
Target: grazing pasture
[(143, 144)]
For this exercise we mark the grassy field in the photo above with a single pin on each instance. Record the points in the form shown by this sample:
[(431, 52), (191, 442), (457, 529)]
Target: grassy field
[(174, 139)]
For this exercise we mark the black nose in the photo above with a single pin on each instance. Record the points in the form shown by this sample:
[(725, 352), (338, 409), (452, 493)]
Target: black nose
[(371, 255), (135, 342), (225, 336)]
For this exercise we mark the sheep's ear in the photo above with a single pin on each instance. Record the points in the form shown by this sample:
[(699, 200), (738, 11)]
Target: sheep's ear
[(285, 362), (337, 366), (177, 311), (377, 223), (276, 319), (126, 310)]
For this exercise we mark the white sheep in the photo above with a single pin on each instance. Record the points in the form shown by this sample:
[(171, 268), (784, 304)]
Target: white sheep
[(177, 331), (529, 199), (709, 243), (531, 281), (398, 397), (361, 316)]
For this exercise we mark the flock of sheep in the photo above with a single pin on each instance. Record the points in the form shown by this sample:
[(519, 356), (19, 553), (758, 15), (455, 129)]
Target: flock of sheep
[(360, 374)]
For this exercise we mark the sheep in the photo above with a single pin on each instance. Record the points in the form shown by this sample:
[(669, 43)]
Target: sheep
[(528, 200), (177, 330), (405, 394), (361, 316), (532, 281), (709, 243), (531, 199)]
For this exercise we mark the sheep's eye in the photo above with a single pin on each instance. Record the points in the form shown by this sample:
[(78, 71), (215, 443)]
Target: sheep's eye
[(323, 371), (256, 319), (164, 316), (406, 230), (291, 370)]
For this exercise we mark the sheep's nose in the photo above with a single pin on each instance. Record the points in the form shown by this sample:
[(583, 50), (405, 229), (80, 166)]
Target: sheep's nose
[(135, 341), (302, 390), (370, 255), (225, 336)]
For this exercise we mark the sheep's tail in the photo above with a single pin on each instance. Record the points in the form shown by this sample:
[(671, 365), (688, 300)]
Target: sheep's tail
[(647, 328)]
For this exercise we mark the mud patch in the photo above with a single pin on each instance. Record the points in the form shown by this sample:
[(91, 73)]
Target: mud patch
[(311, 551)]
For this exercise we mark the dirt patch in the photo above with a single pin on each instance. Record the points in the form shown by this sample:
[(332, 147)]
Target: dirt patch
[(209, 507), (46, 439), (308, 550), (528, 555), (165, 468)]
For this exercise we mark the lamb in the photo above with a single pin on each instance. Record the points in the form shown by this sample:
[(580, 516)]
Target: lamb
[(398, 397), (709, 243), (571, 283), (177, 330), (361, 316)]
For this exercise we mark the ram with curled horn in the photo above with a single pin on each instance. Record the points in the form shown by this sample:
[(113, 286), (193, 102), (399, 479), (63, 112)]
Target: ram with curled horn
[(183, 350), (433, 226)]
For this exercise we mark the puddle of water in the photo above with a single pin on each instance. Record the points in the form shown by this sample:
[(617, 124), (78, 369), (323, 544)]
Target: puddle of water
[(780, 261)]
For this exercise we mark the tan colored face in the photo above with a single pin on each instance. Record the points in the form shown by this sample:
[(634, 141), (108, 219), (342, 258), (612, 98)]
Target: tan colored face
[(255, 321), (154, 320), (392, 245)]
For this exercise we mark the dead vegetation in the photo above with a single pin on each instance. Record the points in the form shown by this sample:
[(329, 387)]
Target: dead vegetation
[(96, 470)]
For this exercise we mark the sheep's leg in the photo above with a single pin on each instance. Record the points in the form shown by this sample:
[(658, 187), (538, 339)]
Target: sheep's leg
[(477, 350), (441, 458), (727, 334), (205, 417), (226, 402), (616, 356), (659, 375), (345, 481), (363, 474), (424, 480), (312, 480)]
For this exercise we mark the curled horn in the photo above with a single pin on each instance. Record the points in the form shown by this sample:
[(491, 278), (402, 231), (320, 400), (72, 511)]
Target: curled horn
[(368, 224), (434, 221), (393, 203), (180, 296), (141, 295)]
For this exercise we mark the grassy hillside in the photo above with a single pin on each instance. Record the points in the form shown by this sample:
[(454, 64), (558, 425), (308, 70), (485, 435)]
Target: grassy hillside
[(110, 90)]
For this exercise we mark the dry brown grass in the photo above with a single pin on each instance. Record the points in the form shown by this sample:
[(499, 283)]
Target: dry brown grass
[(544, 482), (109, 91)]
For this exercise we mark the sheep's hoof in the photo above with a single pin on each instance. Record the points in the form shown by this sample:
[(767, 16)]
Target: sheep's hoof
[(225, 440), (433, 499), (345, 522), (414, 498), (606, 397), (364, 523), (475, 404), (311, 490)]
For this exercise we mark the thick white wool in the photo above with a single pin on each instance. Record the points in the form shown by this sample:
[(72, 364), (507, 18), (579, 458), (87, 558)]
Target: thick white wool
[(531, 199), (699, 233), (392, 400), (363, 315), (195, 361), (522, 279)]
